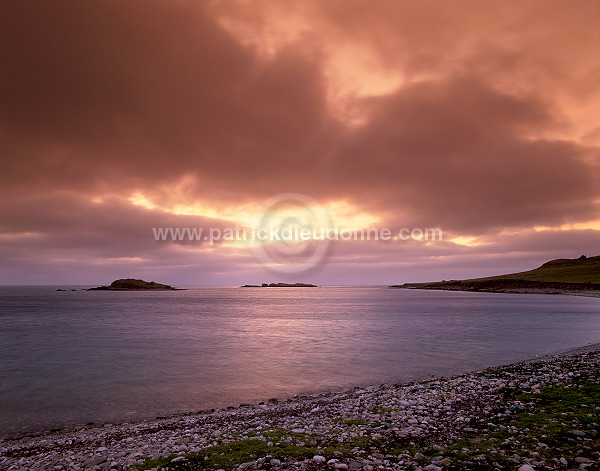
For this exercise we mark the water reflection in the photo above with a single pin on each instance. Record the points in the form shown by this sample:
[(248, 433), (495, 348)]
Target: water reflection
[(95, 356)]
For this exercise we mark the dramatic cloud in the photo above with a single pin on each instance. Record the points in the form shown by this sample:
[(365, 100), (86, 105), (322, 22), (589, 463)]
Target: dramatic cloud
[(120, 116)]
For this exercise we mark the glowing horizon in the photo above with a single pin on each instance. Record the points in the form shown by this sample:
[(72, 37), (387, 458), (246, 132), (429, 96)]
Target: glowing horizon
[(480, 120)]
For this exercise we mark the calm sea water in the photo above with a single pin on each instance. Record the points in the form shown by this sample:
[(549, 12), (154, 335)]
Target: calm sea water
[(75, 357)]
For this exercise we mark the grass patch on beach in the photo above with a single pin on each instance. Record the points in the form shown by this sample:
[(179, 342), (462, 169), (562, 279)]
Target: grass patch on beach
[(221, 456), (242, 451), (559, 422), (277, 443), (354, 422), (382, 410)]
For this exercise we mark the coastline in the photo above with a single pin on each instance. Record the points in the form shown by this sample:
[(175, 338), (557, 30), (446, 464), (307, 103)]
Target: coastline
[(393, 426), (577, 277), (545, 291)]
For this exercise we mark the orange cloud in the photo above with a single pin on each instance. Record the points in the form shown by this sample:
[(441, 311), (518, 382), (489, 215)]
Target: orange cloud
[(476, 118)]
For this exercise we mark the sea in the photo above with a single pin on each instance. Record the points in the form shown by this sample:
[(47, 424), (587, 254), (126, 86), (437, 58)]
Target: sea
[(78, 357)]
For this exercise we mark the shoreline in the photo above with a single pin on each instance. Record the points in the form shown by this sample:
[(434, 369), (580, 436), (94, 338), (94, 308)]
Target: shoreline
[(544, 291), (357, 427)]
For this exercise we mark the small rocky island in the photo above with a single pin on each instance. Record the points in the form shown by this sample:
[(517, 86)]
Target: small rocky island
[(132, 284), (281, 285)]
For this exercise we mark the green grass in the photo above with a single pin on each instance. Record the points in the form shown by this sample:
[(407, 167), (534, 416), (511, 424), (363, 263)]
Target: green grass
[(382, 410), (560, 271), (354, 422), (221, 456), (242, 451), (544, 425), (575, 272)]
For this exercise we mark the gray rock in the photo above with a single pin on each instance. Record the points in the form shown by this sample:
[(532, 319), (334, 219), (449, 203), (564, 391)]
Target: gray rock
[(354, 465), (93, 462)]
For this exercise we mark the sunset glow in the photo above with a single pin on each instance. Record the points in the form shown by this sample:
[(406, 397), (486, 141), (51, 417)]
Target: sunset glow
[(119, 118)]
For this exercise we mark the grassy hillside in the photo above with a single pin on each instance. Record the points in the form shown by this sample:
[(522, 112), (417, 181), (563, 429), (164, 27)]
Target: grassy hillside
[(563, 270), (562, 274)]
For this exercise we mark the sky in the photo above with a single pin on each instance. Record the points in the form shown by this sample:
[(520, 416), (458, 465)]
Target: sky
[(118, 117)]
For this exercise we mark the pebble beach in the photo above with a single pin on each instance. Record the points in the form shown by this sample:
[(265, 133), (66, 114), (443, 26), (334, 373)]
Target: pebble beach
[(534, 415)]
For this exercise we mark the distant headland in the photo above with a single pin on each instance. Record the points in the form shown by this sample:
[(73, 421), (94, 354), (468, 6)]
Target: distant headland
[(562, 276), (131, 284), (281, 285)]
